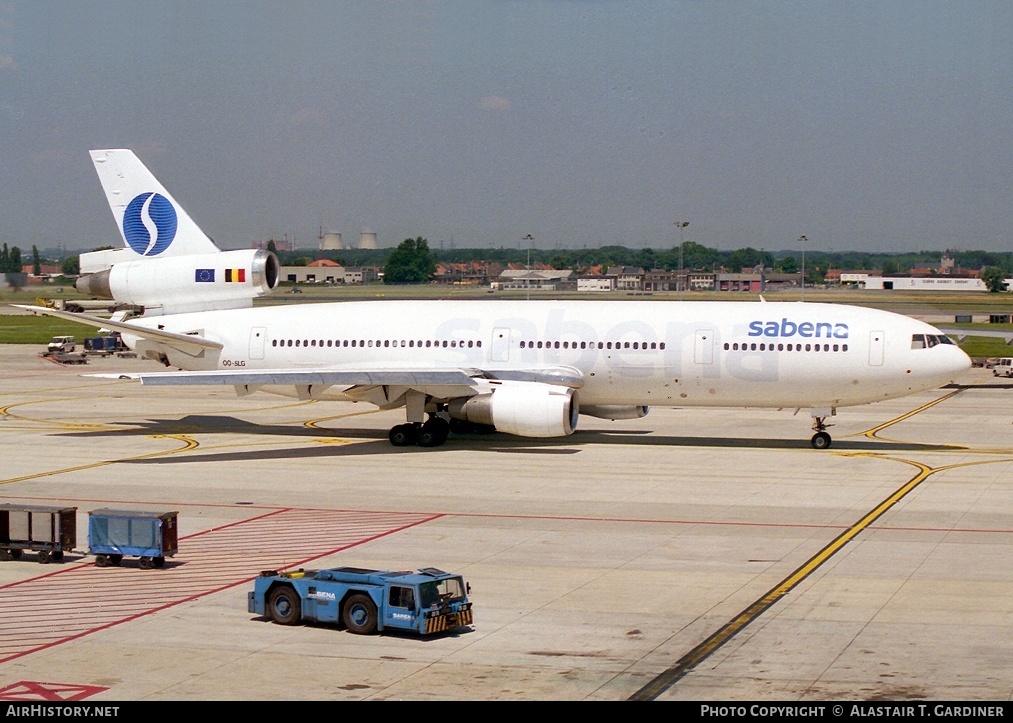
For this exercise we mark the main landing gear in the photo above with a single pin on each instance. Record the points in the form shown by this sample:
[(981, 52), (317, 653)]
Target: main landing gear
[(821, 440), (431, 433)]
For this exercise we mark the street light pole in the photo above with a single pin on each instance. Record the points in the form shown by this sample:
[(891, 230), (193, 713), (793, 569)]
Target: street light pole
[(803, 240), (527, 281), (679, 281)]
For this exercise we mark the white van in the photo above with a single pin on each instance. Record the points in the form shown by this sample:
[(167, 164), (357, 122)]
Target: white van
[(62, 344), (1003, 367)]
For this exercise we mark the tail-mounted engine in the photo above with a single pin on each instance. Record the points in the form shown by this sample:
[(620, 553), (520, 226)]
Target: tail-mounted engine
[(178, 284)]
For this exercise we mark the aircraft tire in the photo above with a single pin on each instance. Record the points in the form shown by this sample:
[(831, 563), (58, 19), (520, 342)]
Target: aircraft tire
[(434, 432), (403, 435), (821, 440)]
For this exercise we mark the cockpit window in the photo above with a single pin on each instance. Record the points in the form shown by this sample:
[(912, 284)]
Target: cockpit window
[(927, 341)]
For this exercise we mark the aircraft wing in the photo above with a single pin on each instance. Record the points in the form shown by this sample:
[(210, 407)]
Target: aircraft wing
[(184, 342), (412, 378), (286, 377), (960, 333)]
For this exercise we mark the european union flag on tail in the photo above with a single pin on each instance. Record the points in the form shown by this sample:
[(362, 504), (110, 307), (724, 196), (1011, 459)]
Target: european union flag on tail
[(200, 275)]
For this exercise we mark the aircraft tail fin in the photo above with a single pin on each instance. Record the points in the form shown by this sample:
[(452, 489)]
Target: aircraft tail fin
[(167, 264), (151, 221)]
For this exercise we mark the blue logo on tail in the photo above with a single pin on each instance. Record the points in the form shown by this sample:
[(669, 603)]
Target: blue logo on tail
[(149, 224)]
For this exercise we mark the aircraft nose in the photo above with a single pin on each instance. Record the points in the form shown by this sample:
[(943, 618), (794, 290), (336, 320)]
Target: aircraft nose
[(957, 362)]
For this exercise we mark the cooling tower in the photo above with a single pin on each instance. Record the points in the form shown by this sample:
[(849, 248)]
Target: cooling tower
[(367, 239)]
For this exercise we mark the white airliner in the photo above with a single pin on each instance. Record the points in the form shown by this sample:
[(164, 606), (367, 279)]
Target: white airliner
[(527, 368)]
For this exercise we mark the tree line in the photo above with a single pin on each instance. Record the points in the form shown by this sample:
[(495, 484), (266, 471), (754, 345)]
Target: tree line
[(414, 262)]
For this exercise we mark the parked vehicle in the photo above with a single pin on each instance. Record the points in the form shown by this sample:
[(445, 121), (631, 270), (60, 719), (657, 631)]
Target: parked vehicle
[(364, 601), (61, 345), (49, 531), (104, 345), (1003, 367), (113, 534)]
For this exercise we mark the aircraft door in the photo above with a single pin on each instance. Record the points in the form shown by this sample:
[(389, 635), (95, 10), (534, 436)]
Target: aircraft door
[(703, 349), (877, 343), (258, 335), (500, 344)]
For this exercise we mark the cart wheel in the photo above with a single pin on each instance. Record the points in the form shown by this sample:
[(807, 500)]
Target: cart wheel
[(159, 561), (147, 563), (284, 605), (58, 555), (43, 557), (101, 560), (5, 554), (15, 554)]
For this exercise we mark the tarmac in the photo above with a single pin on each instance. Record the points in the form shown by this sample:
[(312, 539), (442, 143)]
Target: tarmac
[(692, 555)]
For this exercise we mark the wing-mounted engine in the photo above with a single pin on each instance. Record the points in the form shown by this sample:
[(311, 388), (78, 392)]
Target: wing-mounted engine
[(178, 284), (527, 409)]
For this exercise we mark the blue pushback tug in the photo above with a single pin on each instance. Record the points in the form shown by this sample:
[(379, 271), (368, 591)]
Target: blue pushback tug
[(364, 601)]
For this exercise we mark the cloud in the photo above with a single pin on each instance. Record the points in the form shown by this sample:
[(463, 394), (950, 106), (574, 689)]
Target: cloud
[(7, 62), (495, 102)]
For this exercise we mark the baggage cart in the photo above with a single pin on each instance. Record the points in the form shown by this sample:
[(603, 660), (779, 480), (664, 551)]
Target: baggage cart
[(49, 531), (115, 534)]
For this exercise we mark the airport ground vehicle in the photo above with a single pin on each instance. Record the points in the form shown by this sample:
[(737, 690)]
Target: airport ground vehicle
[(49, 531), (1003, 367), (364, 601), (61, 345), (112, 534), (105, 344)]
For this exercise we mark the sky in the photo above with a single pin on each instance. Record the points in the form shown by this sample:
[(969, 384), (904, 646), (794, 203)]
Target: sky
[(870, 125)]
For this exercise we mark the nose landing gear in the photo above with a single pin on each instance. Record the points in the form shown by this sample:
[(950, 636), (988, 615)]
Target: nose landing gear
[(821, 440)]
